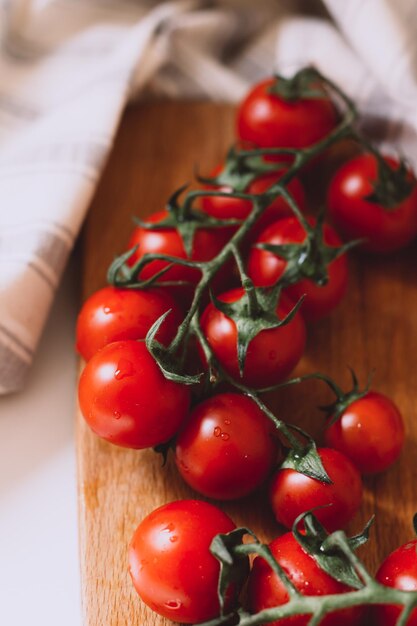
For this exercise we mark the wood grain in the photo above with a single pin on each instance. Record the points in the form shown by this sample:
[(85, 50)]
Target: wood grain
[(156, 150)]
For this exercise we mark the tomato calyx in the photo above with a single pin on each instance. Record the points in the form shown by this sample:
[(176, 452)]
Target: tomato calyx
[(122, 274), (170, 365), (234, 566), (306, 460), (327, 550), (239, 171), (344, 399), (254, 312), (309, 259), (392, 185), (233, 554), (185, 219), (305, 84)]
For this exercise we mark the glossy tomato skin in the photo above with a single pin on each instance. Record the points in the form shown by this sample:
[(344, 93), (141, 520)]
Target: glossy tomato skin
[(269, 121), (227, 447), (236, 208), (385, 229), (112, 314), (207, 244), (266, 590), (271, 355), (293, 493), (125, 398), (170, 563), (370, 432), (265, 268), (399, 570)]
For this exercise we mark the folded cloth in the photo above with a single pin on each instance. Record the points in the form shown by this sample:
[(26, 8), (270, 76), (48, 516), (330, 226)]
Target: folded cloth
[(68, 68)]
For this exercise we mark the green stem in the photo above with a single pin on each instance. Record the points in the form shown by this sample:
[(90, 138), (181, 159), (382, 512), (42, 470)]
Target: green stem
[(296, 210), (251, 393), (263, 551), (319, 606), (372, 149), (280, 425), (299, 379), (372, 593), (247, 284), (260, 202), (210, 268), (339, 393)]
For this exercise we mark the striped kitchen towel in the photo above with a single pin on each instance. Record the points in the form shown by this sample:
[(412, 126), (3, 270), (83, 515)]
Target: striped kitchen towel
[(68, 67)]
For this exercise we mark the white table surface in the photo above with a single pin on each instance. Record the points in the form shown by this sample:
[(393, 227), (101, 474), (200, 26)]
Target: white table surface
[(39, 569)]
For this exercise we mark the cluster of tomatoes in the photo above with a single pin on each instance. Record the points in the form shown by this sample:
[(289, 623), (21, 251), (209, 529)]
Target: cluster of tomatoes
[(285, 271)]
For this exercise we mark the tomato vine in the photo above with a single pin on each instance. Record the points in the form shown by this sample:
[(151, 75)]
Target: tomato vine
[(253, 313), (187, 220), (335, 553)]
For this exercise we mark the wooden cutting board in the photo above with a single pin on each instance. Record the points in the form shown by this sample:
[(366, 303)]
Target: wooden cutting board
[(156, 150)]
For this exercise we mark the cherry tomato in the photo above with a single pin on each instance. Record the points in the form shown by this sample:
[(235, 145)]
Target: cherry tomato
[(399, 570), (207, 244), (170, 563), (125, 398), (112, 314), (271, 355), (293, 493), (268, 120), (265, 268), (236, 208), (384, 228), (267, 591), (370, 432), (227, 447)]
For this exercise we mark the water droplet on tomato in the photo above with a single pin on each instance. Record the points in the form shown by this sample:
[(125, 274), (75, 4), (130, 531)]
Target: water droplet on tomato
[(168, 528), (107, 310), (173, 538), (173, 604), (124, 369), (217, 431), (225, 436), (227, 421), (117, 415)]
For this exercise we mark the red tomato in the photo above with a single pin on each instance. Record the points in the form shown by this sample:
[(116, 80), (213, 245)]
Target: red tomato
[(112, 314), (271, 355), (125, 398), (235, 208), (293, 493), (384, 228), (370, 432), (267, 591), (268, 120), (399, 570), (170, 563), (207, 244), (227, 447), (265, 268)]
